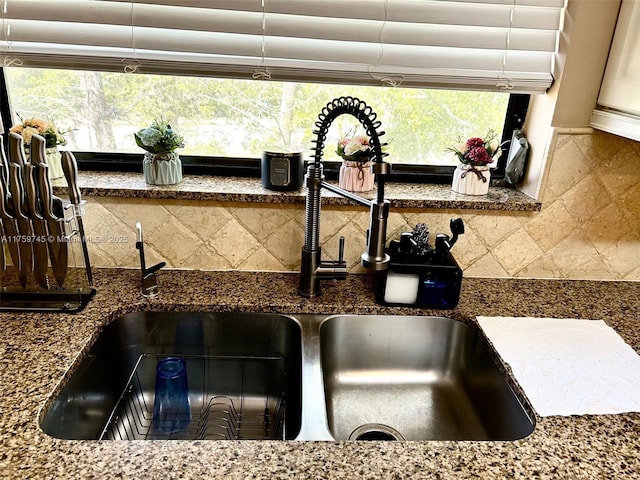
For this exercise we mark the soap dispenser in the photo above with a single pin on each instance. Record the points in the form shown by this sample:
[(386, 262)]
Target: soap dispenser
[(420, 275)]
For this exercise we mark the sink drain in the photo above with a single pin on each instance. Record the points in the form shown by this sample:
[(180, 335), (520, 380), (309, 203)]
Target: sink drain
[(376, 431)]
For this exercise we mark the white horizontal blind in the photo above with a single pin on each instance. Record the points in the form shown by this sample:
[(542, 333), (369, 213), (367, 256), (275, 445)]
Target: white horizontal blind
[(466, 44)]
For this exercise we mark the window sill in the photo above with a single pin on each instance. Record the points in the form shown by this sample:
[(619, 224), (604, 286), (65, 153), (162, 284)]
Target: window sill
[(250, 190)]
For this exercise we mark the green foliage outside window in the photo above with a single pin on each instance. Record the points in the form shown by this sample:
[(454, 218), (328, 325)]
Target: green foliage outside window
[(239, 118)]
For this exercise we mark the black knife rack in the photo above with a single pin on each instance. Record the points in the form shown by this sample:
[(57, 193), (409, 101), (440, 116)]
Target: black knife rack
[(44, 263), (69, 295)]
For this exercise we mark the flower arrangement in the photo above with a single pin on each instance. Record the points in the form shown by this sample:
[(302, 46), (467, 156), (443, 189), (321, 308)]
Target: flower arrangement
[(476, 151), (36, 126), (354, 148), (158, 138)]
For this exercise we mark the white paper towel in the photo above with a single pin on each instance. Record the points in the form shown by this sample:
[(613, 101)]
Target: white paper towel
[(568, 366)]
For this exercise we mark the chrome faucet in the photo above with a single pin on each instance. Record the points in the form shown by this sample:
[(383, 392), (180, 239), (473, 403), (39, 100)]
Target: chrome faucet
[(313, 268), (150, 286)]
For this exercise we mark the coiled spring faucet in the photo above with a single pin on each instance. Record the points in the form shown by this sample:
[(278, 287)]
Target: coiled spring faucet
[(313, 268)]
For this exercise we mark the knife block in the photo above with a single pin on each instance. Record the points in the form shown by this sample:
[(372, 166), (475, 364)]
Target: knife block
[(60, 286)]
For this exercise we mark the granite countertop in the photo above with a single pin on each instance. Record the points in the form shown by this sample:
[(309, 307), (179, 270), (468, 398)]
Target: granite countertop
[(246, 189), (37, 349)]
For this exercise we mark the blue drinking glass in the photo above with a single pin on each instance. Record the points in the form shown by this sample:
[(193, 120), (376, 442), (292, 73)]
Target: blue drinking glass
[(171, 408)]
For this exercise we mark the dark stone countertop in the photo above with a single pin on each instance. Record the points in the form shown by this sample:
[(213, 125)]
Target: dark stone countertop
[(245, 189), (37, 349)]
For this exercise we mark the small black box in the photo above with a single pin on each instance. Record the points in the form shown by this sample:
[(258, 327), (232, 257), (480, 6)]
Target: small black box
[(434, 283), (282, 171)]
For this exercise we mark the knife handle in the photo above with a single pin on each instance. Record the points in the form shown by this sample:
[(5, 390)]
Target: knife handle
[(4, 213), (4, 166), (38, 150), (17, 190), (32, 192), (16, 149), (46, 194), (70, 169)]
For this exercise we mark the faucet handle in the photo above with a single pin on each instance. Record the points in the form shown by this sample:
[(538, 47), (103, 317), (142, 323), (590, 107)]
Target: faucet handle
[(336, 269)]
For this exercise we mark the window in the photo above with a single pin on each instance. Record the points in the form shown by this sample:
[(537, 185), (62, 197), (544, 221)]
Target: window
[(240, 118), (462, 67)]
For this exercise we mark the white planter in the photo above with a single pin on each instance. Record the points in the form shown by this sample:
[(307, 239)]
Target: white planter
[(54, 162), (356, 176), (53, 159), (471, 180), (162, 168)]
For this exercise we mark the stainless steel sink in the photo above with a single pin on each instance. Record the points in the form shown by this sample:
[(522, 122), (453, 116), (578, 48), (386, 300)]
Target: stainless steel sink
[(303, 377), (243, 369), (414, 378)]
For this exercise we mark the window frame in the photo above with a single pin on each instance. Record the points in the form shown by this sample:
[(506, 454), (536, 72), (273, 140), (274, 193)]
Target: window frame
[(250, 167)]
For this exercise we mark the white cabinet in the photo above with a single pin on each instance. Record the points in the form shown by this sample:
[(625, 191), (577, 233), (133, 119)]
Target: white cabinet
[(618, 108)]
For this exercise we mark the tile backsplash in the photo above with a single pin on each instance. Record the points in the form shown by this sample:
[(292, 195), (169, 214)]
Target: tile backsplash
[(589, 226)]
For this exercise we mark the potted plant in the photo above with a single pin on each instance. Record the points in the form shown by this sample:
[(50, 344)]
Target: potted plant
[(161, 164), (472, 175), (53, 136), (355, 172)]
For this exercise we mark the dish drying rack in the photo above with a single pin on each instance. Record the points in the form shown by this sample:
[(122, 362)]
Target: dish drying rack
[(231, 398)]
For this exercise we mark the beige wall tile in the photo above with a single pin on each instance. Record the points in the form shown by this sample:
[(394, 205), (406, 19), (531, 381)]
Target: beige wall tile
[(567, 169), (608, 226), (206, 258), (517, 251), (202, 218), (630, 201), (361, 218), (620, 172), (573, 252), (95, 212), (487, 266), (263, 220), (541, 267), (589, 226), (552, 225), (623, 256), (633, 275), (492, 228), (112, 240), (600, 146), (334, 219), (101, 258), (586, 199), (233, 242), (150, 213), (285, 244), (262, 260), (469, 248), (397, 224), (595, 269), (175, 242)]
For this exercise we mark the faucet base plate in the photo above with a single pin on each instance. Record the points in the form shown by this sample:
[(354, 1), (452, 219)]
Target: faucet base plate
[(373, 263)]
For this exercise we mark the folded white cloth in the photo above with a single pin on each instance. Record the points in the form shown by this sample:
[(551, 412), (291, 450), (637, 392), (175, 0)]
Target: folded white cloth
[(568, 366)]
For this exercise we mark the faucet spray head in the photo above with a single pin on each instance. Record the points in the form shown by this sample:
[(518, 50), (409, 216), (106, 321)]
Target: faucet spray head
[(457, 228)]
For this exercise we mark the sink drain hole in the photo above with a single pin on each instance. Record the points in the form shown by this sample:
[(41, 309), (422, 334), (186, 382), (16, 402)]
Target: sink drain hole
[(376, 431)]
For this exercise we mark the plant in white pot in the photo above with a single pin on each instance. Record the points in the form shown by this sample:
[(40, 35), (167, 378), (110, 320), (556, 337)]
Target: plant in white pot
[(52, 135), (161, 164), (472, 176), (355, 172)]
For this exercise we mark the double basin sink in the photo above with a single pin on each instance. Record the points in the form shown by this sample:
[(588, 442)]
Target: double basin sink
[(292, 377)]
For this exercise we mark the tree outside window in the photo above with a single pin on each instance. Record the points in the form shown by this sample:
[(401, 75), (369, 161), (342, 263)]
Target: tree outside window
[(240, 118)]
